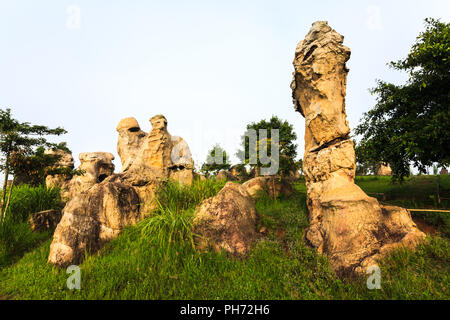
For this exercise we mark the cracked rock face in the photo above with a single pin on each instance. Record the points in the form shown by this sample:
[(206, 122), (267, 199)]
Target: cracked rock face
[(227, 221), (97, 167), (351, 228), (102, 203)]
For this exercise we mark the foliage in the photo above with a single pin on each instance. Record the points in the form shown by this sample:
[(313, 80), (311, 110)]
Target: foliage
[(280, 266), (26, 199), (16, 236), (32, 169), (287, 148), (18, 141), (365, 165), (215, 163), (411, 122)]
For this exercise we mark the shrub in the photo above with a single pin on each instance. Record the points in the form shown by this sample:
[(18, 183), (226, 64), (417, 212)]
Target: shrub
[(26, 200)]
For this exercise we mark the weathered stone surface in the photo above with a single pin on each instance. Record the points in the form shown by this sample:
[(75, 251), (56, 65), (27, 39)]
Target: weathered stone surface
[(443, 171), (351, 228), (130, 141), (91, 218), (44, 220), (223, 175), (184, 176), (61, 180), (97, 167), (384, 170), (227, 221), (102, 203), (272, 185)]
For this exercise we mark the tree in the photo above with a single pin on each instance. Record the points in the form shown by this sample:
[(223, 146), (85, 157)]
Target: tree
[(286, 146), (215, 163), (33, 169), (19, 138), (410, 123), (365, 165)]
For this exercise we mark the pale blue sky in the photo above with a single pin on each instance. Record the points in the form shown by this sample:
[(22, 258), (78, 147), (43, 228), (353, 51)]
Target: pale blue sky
[(210, 67)]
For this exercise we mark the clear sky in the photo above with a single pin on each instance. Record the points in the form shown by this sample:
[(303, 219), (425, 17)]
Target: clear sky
[(210, 67)]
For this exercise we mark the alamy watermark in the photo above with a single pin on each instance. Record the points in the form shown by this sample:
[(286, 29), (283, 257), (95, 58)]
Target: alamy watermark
[(258, 149), (73, 21), (74, 280), (374, 280)]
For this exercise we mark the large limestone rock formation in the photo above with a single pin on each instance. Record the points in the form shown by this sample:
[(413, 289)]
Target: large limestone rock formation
[(227, 221), (102, 203), (384, 170), (60, 180), (272, 185), (91, 218), (97, 166), (352, 228), (130, 141)]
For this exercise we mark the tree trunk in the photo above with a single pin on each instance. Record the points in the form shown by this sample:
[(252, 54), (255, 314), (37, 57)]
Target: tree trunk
[(5, 184), (438, 189), (9, 195)]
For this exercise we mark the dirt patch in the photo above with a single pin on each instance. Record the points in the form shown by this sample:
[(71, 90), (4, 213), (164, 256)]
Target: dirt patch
[(424, 226)]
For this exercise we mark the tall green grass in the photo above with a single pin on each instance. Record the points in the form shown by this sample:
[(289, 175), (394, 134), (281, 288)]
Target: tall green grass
[(16, 236), (171, 221), (26, 200)]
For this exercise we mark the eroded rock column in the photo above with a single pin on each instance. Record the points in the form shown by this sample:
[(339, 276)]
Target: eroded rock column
[(351, 228)]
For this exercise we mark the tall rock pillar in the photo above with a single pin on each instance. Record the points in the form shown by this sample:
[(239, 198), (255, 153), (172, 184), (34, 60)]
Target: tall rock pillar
[(351, 228)]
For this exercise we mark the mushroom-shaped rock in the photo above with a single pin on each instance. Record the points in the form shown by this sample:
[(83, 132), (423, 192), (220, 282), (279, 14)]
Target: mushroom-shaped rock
[(351, 228), (227, 221), (97, 166)]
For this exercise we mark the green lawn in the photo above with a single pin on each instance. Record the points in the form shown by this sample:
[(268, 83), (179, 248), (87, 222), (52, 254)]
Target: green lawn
[(143, 265)]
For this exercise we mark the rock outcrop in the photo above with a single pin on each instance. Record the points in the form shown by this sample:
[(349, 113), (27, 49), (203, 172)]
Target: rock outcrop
[(227, 221), (351, 228), (91, 218), (97, 166), (60, 180), (44, 220), (102, 203), (271, 185), (384, 170)]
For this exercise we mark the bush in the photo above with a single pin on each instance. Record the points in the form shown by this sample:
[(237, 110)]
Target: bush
[(16, 236), (177, 197), (26, 200)]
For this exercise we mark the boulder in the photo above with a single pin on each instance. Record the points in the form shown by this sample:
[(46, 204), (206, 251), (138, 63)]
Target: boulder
[(272, 185), (443, 171), (91, 218), (44, 220), (223, 175), (351, 228), (227, 221), (384, 170)]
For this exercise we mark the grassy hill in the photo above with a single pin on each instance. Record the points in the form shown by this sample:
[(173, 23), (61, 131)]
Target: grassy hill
[(156, 258)]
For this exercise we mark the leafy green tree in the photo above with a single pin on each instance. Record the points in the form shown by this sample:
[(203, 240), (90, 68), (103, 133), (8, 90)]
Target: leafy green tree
[(33, 169), (365, 165), (286, 146), (410, 123), (215, 163), (19, 138)]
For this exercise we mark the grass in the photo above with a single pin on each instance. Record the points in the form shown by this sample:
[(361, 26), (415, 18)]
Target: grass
[(16, 236), (155, 259)]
